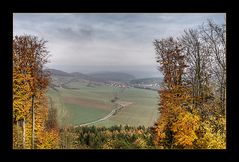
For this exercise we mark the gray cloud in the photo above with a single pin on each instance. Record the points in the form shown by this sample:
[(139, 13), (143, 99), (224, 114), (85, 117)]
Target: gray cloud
[(106, 40)]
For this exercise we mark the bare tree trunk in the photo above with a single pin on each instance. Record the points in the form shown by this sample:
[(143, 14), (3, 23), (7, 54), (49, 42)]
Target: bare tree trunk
[(33, 122), (23, 134), (225, 95), (224, 99), (18, 136)]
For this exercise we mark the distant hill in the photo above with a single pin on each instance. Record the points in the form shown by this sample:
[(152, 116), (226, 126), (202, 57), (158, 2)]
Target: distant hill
[(113, 76), (146, 81), (58, 72), (81, 76), (106, 76), (77, 75)]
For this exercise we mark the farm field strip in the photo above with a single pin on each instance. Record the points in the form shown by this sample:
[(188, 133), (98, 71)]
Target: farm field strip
[(93, 105), (113, 112)]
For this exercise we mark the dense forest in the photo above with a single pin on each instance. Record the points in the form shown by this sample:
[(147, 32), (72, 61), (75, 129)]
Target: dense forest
[(115, 137), (192, 98)]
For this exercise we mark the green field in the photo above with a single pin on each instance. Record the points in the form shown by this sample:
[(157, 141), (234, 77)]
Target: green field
[(78, 103)]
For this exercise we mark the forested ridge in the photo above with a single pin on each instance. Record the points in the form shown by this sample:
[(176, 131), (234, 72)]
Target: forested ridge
[(192, 98)]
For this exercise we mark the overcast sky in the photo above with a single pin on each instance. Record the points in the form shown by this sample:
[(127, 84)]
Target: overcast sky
[(89, 42)]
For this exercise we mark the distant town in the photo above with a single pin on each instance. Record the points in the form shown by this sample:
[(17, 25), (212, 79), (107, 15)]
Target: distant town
[(144, 83)]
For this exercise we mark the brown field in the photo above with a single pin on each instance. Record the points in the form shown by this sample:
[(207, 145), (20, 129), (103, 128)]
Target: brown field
[(87, 103)]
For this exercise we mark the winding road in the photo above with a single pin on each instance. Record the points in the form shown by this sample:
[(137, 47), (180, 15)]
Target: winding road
[(113, 112)]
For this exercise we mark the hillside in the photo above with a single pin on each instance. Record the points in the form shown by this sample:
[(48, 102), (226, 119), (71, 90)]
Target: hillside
[(146, 81), (113, 76), (95, 77), (78, 103), (85, 77), (58, 72)]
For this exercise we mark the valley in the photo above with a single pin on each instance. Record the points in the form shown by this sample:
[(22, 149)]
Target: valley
[(83, 100)]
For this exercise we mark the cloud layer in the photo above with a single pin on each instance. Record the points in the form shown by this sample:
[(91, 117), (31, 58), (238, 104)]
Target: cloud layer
[(106, 41)]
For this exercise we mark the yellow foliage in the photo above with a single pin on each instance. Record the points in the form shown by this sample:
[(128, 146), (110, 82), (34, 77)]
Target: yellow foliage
[(184, 129), (212, 139), (140, 143), (109, 144), (21, 95), (48, 140), (28, 80)]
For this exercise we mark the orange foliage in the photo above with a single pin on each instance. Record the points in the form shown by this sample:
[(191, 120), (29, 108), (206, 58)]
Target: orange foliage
[(29, 79)]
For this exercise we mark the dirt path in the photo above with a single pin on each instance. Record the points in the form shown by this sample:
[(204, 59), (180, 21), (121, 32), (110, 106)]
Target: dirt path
[(121, 104)]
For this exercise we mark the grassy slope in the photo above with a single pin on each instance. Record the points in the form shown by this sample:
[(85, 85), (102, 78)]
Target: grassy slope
[(142, 111), (63, 115), (79, 115)]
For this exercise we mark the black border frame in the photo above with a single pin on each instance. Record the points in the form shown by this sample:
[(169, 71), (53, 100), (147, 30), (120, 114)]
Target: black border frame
[(114, 6)]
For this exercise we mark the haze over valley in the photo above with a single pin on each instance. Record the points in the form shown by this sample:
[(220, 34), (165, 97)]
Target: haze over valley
[(119, 81), (103, 98)]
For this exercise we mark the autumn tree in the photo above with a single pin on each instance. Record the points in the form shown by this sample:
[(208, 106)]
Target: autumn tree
[(171, 59), (210, 99), (190, 116), (175, 98), (197, 71), (30, 82), (214, 36)]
